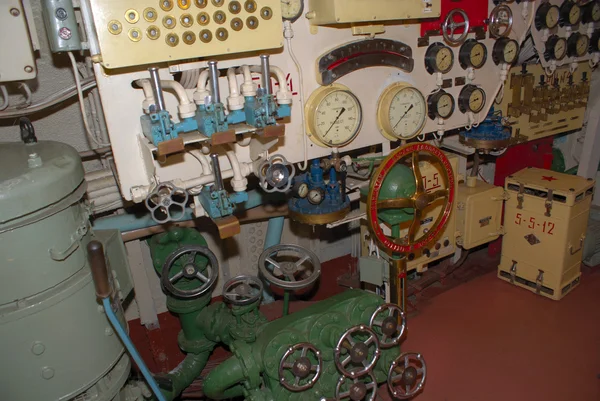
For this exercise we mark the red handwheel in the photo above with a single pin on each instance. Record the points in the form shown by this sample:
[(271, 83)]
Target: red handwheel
[(418, 201)]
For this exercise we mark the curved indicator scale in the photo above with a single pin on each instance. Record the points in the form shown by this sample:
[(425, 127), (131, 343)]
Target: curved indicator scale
[(355, 56)]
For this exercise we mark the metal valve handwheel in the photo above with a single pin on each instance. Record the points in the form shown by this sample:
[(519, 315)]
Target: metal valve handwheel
[(419, 201), (455, 19), (167, 203), (390, 320), (501, 21), (290, 267), (407, 375), (302, 368), (189, 262), (362, 351), (242, 290), (276, 174), (357, 389)]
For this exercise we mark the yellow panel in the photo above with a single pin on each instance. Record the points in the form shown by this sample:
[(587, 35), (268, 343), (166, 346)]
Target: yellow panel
[(140, 32), (322, 12), (535, 111)]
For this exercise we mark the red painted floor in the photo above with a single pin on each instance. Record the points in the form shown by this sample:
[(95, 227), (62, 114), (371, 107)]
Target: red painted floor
[(486, 340)]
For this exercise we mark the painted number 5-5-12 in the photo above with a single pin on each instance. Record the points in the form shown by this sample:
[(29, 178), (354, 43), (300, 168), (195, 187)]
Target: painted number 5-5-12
[(546, 226)]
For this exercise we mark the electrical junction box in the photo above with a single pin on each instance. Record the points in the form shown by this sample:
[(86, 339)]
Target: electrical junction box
[(545, 218), (17, 62), (326, 12), (446, 242), (138, 32), (478, 213)]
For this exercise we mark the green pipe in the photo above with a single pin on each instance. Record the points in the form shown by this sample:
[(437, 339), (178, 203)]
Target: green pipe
[(396, 231), (223, 381), (185, 373), (286, 303)]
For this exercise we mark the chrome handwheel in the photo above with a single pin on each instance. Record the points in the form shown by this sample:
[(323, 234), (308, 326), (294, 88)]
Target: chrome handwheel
[(167, 203), (303, 364), (290, 267), (357, 389), (455, 19), (185, 267), (407, 375), (390, 321), (242, 290), (357, 351)]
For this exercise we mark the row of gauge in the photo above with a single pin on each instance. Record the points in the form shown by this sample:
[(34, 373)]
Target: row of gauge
[(334, 113), (549, 16)]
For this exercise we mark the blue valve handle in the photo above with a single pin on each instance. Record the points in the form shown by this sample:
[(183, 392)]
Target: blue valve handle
[(100, 276)]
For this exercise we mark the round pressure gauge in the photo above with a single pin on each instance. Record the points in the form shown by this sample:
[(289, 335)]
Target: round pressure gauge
[(315, 196), (440, 105), (401, 112), (300, 189), (590, 12), (439, 58), (547, 16), (570, 13), (556, 48), (291, 10), (505, 51), (472, 54), (334, 116), (577, 45), (595, 42), (471, 98)]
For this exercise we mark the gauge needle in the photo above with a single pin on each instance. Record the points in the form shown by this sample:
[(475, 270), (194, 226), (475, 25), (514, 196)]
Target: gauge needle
[(404, 115), (335, 121)]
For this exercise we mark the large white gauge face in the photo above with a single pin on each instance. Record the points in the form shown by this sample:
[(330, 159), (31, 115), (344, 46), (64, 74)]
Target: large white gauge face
[(511, 51), (337, 118), (291, 9), (407, 113)]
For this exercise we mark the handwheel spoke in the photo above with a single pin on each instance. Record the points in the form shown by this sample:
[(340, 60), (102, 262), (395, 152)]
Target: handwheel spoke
[(304, 352), (314, 368), (369, 340), (417, 173), (271, 261), (406, 363), (202, 277), (232, 295), (297, 381), (304, 259), (191, 257), (407, 388), (365, 363), (459, 24), (290, 276), (439, 194), (345, 394), (377, 322), (412, 231), (288, 365), (420, 371), (398, 203), (396, 378), (176, 277), (346, 361)]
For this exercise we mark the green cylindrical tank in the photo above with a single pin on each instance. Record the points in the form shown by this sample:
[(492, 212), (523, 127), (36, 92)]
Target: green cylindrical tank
[(55, 340)]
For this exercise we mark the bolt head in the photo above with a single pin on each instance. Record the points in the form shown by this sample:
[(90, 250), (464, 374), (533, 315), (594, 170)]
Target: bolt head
[(15, 12), (65, 33), (47, 372), (38, 348)]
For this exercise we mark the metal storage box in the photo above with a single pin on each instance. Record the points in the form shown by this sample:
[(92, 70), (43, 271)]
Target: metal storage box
[(545, 218)]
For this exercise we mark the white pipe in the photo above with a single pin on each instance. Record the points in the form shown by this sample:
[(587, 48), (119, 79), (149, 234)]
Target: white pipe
[(246, 169), (238, 182), (283, 95), (202, 80), (107, 199), (202, 158), (248, 87), (233, 86), (178, 89), (104, 182)]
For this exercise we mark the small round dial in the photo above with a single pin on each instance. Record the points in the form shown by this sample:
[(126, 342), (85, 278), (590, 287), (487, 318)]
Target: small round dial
[(471, 98), (334, 116), (547, 16), (595, 42), (301, 189), (505, 51), (556, 48), (401, 112), (439, 58), (577, 45), (472, 54), (315, 196), (441, 105), (590, 12), (291, 10), (570, 13)]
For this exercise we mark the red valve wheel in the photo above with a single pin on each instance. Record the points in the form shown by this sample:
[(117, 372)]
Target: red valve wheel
[(420, 200)]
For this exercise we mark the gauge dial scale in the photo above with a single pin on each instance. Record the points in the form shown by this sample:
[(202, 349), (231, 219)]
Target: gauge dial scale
[(556, 48), (506, 51), (590, 12), (291, 10), (401, 112), (471, 98), (315, 196), (439, 58), (570, 13), (577, 45), (333, 116), (547, 16), (472, 54), (440, 105)]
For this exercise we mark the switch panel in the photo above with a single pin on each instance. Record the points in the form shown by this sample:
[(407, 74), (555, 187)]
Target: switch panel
[(142, 32), (17, 62)]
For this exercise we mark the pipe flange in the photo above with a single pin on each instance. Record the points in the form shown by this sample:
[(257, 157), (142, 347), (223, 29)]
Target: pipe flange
[(389, 321), (167, 203), (290, 267), (407, 375), (306, 366), (360, 356)]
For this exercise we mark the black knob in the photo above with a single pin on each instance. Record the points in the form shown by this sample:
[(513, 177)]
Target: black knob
[(426, 252), (411, 256), (27, 130), (446, 243)]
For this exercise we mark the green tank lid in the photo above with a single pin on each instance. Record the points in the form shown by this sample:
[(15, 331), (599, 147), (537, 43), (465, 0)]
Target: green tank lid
[(37, 175)]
